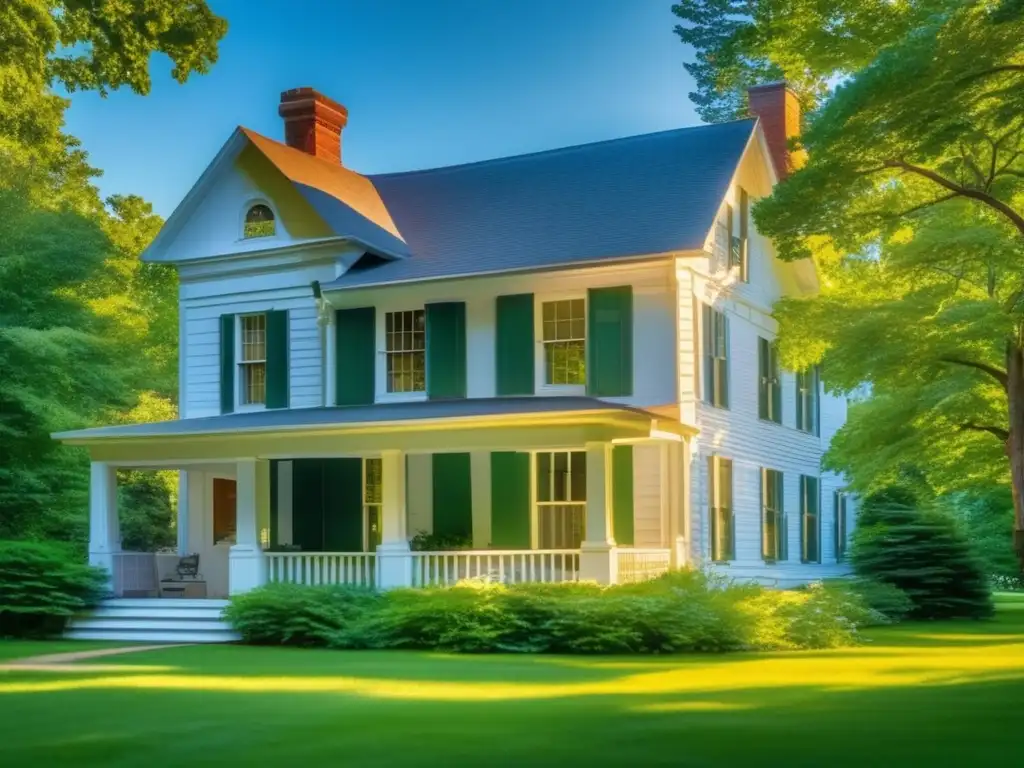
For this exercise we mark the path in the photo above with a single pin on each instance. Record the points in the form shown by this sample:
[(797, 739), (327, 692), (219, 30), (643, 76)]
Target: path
[(56, 662)]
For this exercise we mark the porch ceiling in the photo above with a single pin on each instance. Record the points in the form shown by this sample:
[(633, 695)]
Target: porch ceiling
[(459, 425)]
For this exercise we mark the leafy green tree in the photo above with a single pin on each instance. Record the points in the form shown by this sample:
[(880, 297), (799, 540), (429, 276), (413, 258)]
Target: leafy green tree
[(87, 332)]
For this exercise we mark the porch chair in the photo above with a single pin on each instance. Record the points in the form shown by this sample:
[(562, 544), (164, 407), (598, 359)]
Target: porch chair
[(188, 573)]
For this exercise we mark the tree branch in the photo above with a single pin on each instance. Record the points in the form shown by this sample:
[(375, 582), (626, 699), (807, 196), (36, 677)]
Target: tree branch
[(991, 370), (993, 71), (922, 206), (1002, 434), (952, 186)]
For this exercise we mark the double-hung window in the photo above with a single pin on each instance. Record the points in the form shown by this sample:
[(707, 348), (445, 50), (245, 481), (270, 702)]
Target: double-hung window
[(252, 360), (807, 386), (723, 544), (564, 336), (561, 498), (405, 338), (769, 392), (738, 256), (841, 523), (716, 357), (773, 517), (372, 502), (810, 520)]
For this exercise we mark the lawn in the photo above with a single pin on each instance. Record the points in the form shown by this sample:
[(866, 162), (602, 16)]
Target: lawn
[(943, 694)]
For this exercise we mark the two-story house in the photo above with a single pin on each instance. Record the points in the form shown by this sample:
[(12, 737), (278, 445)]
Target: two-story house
[(548, 367)]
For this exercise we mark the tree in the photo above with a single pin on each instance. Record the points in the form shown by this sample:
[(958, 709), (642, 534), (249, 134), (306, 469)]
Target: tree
[(912, 204), (87, 332), (923, 553)]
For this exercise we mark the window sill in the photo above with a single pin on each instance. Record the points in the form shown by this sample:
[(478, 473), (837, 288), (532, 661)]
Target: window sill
[(770, 421), (810, 562), (553, 390), (250, 408), (400, 397), (712, 405)]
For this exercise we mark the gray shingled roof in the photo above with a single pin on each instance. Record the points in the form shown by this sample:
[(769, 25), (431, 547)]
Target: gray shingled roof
[(298, 418), (611, 200)]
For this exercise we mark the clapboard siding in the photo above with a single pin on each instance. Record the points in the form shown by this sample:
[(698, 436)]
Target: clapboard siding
[(201, 317), (647, 477)]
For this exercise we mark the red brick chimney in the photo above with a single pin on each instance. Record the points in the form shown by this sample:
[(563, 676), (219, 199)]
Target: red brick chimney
[(313, 123), (779, 110)]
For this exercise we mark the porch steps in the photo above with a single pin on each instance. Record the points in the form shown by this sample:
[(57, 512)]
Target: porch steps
[(154, 620)]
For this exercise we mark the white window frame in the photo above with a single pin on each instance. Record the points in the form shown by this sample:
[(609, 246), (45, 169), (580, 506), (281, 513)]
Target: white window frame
[(541, 387), (381, 372), (239, 363), (240, 229), (535, 504)]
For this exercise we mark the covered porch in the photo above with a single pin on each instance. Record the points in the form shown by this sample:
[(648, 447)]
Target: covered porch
[(407, 494)]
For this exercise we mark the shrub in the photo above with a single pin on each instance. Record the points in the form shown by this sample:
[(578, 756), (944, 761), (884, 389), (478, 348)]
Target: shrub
[(681, 611), (41, 586), (924, 554), (292, 614)]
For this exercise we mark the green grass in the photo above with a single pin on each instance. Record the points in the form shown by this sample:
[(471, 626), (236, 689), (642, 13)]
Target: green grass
[(942, 694)]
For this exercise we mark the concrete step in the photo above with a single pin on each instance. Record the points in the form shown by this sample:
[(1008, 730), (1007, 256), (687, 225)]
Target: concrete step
[(153, 620), (152, 635)]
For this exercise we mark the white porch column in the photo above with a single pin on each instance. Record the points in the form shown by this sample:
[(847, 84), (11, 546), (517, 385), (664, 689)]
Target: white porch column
[(598, 556), (182, 523), (104, 527), (328, 331), (393, 560), (246, 564), (678, 466)]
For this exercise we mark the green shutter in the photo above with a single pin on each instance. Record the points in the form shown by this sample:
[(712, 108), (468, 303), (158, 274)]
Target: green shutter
[(514, 345), (810, 526), (355, 358), (277, 359), (307, 504), (343, 504), (764, 384), (709, 353), (452, 496), (776, 384), (227, 363), (610, 341), (622, 494), (446, 350), (510, 500)]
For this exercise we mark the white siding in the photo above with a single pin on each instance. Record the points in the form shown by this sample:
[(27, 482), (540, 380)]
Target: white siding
[(647, 496), (419, 498)]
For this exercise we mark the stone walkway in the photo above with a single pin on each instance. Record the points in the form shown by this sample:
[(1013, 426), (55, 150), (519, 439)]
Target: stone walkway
[(63, 662)]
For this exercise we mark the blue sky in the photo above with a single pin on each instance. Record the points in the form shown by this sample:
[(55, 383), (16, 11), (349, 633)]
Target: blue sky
[(426, 83)]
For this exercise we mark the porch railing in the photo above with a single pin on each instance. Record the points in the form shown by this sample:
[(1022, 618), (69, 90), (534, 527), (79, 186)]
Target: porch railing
[(435, 569), (134, 574), (357, 568), (642, 564)]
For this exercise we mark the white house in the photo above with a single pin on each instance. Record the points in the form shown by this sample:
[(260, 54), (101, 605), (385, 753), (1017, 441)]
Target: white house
[(554, 366)]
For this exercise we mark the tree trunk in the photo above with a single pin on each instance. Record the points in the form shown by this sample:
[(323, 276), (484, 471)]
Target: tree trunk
[(1015, 442)]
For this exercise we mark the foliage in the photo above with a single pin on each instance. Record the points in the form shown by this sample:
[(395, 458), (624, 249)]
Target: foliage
[(682, 611), (924, 553), (88, 334), (289, 614), (989, 518), (434, 542), (41, 586), (886, 603)]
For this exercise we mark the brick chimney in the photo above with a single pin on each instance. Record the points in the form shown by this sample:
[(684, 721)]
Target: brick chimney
[(313, 123), (779, 110)]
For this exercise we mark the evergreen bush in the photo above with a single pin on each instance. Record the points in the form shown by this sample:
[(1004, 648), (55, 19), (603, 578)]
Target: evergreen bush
[(41, 586), (922, 552)]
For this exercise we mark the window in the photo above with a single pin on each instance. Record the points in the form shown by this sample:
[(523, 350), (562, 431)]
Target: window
[(722, 529), (561, 499), (564, 334), (253, 360), (373, 499), (738, 244), (406, 343), (716, 357), (259, 222), (769, 394), (810, 522), (807, 400), (773, 517), (841, 524)]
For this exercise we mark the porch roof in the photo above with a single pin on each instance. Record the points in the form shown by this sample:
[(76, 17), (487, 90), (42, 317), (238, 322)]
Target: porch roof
[(438, 424)]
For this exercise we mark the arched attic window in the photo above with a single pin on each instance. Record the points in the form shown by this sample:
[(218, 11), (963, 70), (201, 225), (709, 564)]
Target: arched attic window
[(259, 222)]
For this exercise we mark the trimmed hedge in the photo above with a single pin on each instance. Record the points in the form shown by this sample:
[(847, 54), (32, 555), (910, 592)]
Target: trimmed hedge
[(681, 611), (42, 586)]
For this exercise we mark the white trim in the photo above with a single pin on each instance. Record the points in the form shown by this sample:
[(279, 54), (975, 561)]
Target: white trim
[(249, 205), (381, 394), (236, 395), (540, 385)]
